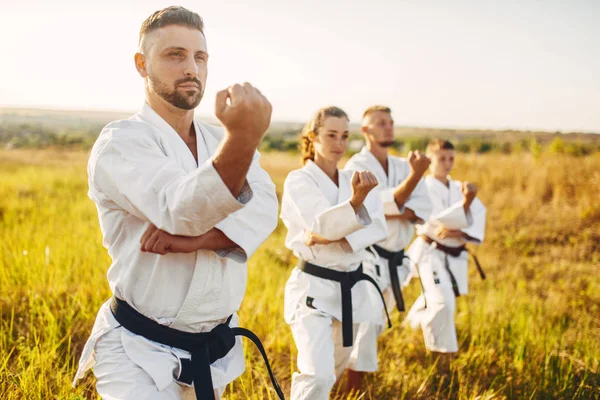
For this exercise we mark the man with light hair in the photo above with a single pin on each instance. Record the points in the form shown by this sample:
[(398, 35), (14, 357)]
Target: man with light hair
[(405, 202), (160, 178)]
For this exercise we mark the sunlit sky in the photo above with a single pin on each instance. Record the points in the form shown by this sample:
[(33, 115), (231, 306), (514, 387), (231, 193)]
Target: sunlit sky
[(464, 64)]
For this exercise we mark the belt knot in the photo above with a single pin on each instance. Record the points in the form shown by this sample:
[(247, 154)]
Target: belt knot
[(220, 342)]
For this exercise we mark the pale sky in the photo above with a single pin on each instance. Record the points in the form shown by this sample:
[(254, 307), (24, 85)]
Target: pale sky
[(464, 64)]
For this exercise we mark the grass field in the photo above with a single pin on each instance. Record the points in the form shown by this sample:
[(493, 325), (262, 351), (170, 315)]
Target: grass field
[(531, 331)]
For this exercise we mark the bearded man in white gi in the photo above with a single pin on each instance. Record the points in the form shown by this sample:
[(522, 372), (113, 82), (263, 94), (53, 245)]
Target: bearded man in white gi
[(440, 250), (405, 202), (159, 175)]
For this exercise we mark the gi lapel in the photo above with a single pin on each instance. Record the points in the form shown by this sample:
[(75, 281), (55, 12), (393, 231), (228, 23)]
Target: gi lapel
[(376, 167), (206, 146), (182, 153)]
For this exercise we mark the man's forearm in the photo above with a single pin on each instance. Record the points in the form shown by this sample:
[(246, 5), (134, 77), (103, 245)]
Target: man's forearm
[(214, 240), (408, 215), (467, 204), (405, 189), (453, 234), (232, 162)]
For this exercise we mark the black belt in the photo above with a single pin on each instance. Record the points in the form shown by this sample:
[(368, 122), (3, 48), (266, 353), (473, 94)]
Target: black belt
[(453, 252), (346, 280), (394, 258), (205, 347)]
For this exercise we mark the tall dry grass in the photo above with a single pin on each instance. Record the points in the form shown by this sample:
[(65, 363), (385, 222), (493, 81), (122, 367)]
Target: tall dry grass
[(531, 331)]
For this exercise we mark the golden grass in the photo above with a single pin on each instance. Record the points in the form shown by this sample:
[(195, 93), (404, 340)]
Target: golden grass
[(532, 330)]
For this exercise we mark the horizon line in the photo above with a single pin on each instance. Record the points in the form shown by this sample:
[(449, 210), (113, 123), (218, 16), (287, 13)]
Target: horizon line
[(290, 122)]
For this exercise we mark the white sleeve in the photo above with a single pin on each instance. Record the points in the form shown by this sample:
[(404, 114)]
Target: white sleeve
[(454, 217), (250, 226), (420, 202), (390, 207), (302, 199), (477, 230), (132, 170), (376, 231)]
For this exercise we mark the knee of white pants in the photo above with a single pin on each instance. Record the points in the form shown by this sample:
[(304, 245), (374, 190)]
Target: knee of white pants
[(129, 382), (364, 351), (321, 354), (447, 307), (311, 386), (119, 378), (439, 329), (219, 392), (390, 300), (439, 314)]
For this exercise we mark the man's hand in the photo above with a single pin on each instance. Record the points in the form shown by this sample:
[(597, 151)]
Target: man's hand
[(418, 162), (248, 114), (245, 113), (310, 239), (156, 241), (469, 191), (160, 242), (362, 183), (408, 215), (444, 233)]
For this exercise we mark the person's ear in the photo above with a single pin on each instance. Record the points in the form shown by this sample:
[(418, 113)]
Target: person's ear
[(140, 64)]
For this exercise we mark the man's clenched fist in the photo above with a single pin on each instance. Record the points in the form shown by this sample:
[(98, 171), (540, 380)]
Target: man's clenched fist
[(418, 162), (247, 114)]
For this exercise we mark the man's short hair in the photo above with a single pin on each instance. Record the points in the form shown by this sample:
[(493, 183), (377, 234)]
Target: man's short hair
[(174, 15), (438, 144), (374, 109)]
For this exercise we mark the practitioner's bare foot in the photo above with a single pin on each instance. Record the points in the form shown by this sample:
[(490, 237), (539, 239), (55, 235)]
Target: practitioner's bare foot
[(444, 362), (355, 381)]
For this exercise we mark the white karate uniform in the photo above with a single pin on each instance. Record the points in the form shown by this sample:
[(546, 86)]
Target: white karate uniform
[(400, 233), (313, 307), (140, 172), (437, 320)]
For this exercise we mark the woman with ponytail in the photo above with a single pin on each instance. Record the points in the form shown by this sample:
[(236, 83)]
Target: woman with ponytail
[(332, 216)]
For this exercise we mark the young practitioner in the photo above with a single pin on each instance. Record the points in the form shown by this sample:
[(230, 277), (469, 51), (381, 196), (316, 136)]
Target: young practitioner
[(458, 218)]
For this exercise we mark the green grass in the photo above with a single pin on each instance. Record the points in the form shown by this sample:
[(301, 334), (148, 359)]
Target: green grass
[(531, 331)]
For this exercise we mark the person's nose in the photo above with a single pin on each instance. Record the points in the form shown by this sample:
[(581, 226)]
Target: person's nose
[(191, 67)]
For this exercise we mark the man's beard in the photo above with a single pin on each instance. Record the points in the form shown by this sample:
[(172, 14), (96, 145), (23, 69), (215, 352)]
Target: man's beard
[(386, 144), (174, 97)]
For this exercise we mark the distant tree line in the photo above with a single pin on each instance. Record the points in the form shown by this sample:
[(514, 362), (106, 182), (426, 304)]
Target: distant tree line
[(31, 135), (463, 145), (38, 135)]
